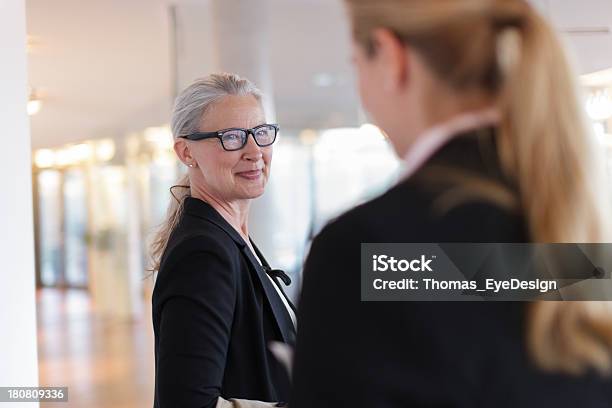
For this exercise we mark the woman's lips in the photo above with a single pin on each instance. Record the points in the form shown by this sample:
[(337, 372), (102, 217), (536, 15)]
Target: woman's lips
[(250, 175)]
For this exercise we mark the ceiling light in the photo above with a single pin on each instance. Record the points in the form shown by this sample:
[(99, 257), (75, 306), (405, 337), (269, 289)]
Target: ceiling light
[(82, 152), (63, 157), (105, 150), (160, 136), (44, 158), (34, 102), (599, 105)]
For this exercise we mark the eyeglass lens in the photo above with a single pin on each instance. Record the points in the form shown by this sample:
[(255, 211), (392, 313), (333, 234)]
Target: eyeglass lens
[(235, 139)]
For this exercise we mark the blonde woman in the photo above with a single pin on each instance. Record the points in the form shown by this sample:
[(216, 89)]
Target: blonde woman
[(217, 304), (477, 97)]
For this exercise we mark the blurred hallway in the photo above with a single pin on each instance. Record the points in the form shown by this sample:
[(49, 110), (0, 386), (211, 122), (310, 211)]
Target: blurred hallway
[(104, 362)]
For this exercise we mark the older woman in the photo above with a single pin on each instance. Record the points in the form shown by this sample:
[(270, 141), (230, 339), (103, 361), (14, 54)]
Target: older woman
[(217, 304)]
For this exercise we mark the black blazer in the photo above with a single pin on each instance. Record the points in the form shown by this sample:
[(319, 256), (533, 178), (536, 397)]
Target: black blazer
[(214, 313), (421, 354)]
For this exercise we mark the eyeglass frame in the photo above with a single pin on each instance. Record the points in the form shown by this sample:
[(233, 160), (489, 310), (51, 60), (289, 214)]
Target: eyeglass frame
[(219, 135)]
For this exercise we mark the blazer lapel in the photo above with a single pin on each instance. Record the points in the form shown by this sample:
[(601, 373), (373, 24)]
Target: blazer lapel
[(281, 315), (275, 278), (284, 323)]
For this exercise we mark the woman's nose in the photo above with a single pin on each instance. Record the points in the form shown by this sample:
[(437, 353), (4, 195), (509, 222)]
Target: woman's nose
[(251, 150)]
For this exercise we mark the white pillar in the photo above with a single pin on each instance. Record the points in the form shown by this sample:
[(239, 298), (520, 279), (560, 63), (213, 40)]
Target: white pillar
[(18, 356), (194, 46), (223, 35), (242, 32)]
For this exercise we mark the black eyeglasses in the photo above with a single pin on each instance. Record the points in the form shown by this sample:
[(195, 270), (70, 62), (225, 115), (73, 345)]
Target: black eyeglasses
[(236, 138)]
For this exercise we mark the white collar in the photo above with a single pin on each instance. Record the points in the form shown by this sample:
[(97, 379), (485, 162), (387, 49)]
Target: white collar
[(428, 142)]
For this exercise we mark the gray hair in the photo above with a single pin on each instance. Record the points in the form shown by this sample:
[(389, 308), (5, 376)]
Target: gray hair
[(189, 108), (197, 98)]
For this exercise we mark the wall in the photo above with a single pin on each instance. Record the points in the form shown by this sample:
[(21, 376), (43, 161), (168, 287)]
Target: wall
[(17, 290)]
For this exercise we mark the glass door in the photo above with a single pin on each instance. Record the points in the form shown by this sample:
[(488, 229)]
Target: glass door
[(50, 242), (75, 228)]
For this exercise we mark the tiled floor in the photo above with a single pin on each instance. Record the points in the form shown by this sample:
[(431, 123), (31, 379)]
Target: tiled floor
[(103, 362)]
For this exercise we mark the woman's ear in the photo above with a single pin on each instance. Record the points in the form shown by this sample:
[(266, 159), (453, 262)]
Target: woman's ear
[(393, 59), (181, 148)]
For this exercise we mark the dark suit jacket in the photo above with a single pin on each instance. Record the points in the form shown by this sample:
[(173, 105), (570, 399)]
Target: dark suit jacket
[(421, 354), (214, 313)]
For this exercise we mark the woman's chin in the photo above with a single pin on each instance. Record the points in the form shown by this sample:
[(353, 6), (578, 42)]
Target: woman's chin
[(258, 193), (251, 192), (252, 188)]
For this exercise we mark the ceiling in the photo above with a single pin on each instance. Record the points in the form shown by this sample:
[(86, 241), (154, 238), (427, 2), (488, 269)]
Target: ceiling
[(101, 67), (107, 67)]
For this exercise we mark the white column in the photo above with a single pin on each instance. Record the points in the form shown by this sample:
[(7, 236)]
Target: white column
[(221, 35), (242, 30), (18, 356), (194, 46)]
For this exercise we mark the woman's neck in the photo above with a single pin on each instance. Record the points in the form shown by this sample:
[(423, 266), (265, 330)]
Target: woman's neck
[(429, 141), (430, 104), (235, 212), (444, 105)]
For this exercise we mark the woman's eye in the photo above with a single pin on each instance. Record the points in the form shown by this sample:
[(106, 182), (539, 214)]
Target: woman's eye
[(231, 136)]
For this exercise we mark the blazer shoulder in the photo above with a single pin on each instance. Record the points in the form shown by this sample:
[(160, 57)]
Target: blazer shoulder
[(412, 212), (196, 263), (406, 201), (193, 237)]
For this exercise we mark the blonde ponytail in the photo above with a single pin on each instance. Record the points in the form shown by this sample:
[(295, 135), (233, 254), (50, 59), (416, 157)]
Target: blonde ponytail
[(544, 138), (546, 145), (503, 47)]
